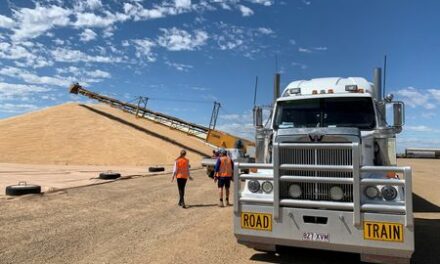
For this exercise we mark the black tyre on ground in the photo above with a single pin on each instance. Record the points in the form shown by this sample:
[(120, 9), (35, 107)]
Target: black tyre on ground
[(109, 175), (156, 169), (22, 188)]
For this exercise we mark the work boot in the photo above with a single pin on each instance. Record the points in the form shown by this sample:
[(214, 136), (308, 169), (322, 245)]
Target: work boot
[(220, 203), (184, 206), (228, 203)]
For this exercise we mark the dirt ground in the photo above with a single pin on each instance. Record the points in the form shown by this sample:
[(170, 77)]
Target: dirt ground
[(138, 221), (55, 177)]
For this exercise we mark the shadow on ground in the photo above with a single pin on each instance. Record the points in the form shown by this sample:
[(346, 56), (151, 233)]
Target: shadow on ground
[(427, 241), (201, 205), (142, 129), (306, 256), (421, 205)]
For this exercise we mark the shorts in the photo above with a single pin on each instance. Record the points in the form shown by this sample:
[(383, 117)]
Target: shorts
[(224, 181)]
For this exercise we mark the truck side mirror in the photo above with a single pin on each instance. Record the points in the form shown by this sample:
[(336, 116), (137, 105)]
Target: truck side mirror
[(399, 114)]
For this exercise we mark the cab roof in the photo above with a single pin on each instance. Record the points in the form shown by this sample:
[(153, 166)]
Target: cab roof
[(330, 85)]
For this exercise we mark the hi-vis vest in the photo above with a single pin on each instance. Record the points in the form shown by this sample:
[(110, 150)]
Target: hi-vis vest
[(225, 169), (182, 168)]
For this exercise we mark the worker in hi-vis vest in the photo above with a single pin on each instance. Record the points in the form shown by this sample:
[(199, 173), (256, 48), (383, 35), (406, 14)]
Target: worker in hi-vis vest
[(223, 174), (181, 173)]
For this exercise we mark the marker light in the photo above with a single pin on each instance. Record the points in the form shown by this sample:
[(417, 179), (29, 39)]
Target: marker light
[(351, 88), (315, 92), (267, 187), (389, 193), (330, 91), (360, 90), (295, 90), (336, 193), (322, 91), (253, 186), (295, 191), (371, 192)]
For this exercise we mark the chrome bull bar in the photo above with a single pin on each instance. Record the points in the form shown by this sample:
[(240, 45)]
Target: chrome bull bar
[(404, 208)]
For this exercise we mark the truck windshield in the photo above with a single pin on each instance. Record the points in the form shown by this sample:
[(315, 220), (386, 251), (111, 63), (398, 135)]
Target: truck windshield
[(326, 112)]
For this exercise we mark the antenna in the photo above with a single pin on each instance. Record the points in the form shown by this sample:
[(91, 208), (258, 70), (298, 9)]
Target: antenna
[(276, 63), (255, 90), (384, 75)]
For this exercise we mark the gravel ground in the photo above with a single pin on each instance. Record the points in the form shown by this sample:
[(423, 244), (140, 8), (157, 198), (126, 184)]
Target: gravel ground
[(138, 221)]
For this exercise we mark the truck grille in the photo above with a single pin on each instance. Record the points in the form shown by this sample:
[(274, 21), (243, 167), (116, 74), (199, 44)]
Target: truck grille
[(316, 191)]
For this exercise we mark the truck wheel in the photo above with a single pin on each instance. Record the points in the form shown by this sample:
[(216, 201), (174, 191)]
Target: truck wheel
[(22, 188), (109, 175), (156, 169)]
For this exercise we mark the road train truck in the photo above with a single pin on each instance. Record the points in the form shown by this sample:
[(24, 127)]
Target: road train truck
[(325, 175)]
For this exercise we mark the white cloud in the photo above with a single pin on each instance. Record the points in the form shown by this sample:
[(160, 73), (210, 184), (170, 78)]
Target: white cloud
[(307, 2), (292, 41), (88, 4), (304, 50), (262, 2), (98, 74), (68, 55), (414, 98), (22, 56), (31, 23), (143, 48), (245, 11), (84, 75), (88, 19), (58, 41), (178, 39), (312, 49), (265, 30), (435, 93), (32, 78), (179, 66), (300, 65), (16, 108), (9, 91), (421, 128), (320, 48), (138, 12), (108, 32), (6, 22), (87, 35), (184, 4)]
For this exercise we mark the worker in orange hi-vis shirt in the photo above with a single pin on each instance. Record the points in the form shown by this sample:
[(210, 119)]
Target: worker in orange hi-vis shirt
[(223, 174), (181, 173)]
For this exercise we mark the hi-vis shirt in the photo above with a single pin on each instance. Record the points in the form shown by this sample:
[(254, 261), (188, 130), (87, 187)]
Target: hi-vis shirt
[(224, 167), (181, 168)]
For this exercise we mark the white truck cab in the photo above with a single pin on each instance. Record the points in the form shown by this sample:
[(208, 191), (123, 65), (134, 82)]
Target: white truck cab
[(326, 175)]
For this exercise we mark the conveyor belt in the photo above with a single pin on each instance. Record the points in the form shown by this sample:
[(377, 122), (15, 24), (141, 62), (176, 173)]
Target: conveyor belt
[(171, 121)]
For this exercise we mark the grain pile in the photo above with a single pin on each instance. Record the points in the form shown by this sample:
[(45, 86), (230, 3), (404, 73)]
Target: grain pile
[(92, 135)]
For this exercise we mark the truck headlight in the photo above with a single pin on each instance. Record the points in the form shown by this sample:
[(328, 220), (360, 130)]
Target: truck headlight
[(371, 192), (267, 187), (295, 191), (254, 186), (389, 193), (336, 193)]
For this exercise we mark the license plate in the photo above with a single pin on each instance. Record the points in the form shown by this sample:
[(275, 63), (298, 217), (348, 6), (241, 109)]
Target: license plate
[(256, 221), (312, 236), (391, 232)]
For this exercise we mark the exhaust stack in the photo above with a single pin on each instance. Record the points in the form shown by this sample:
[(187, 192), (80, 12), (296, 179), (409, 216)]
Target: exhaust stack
[(377, 79), (276, 87)]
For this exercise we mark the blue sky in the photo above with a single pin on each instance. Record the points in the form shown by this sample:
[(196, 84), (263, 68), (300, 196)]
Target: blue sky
[(185, 54)]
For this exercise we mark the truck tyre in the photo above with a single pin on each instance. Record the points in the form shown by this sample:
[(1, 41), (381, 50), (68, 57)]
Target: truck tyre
[(109, 175), (22, 188), (156, 169)]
